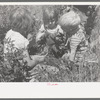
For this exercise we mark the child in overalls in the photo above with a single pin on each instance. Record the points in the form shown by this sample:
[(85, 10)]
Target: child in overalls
[(50, 32)]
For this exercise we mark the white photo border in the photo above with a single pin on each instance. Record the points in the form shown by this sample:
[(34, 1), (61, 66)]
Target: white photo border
[(45, 90)]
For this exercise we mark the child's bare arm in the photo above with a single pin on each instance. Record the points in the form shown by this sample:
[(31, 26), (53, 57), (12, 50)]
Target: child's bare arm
[(34, 60), (72, 55), (39, 36), (74, 42)]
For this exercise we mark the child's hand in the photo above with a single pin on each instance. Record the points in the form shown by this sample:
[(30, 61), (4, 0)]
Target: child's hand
[(29, 37), (39, 36), (65, 57), (38, 58), (83, 48)]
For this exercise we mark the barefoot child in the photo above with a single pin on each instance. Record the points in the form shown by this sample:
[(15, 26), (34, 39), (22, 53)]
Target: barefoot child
[(22, 24)]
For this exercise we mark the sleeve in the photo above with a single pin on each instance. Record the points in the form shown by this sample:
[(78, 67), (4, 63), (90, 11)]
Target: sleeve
[(21, 42), (60, 29), (76, 39), (40, 34), (16, 41), (42, 28), (74, 42)]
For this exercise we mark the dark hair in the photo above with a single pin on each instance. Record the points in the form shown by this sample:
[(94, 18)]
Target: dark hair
[(22, 21), (49, 13)]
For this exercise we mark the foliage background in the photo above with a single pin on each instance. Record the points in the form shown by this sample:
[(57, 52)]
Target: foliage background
[(54, 70)]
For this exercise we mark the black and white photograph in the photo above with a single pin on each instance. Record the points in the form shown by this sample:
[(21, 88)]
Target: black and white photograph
[(49, 43), (49, 49)]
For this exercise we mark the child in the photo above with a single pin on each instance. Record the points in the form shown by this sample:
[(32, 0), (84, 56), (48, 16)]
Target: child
[(50, 32), (65, 8), (70, 23), (22, 24)]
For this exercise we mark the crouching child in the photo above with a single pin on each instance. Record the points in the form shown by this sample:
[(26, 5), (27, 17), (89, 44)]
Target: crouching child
[(22, 24), (70, 23), (50, 32)]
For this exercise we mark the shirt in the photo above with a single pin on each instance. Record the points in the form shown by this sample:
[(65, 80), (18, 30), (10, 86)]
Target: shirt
[(52, 31), (76, 39), (14, 40), (52, 34)]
